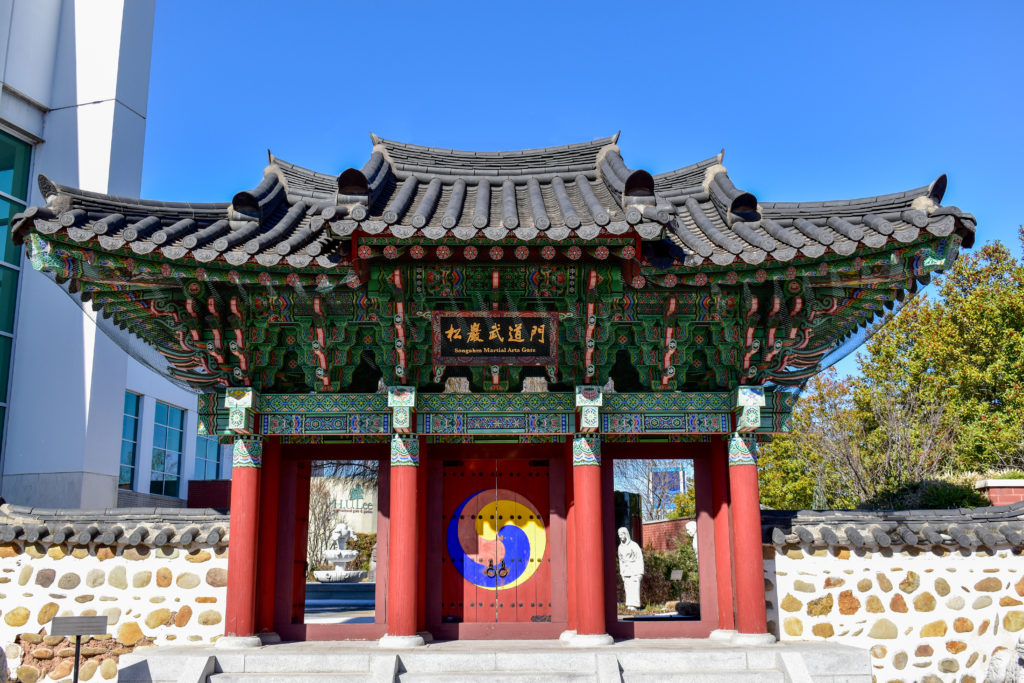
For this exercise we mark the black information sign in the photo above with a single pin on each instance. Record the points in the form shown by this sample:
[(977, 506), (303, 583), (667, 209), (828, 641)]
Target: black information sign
[(494, 338)]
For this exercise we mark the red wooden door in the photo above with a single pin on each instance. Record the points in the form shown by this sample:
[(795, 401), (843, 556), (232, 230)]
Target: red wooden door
[(496, 564)]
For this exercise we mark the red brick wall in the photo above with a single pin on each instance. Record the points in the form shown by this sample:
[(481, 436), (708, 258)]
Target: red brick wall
[(662, 535), (1004, 495)]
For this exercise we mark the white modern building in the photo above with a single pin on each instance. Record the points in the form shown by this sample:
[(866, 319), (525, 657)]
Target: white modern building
[(84, 424)]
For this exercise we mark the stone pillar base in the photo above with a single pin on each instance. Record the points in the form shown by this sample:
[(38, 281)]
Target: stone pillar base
[(269, 638), (722, 634), (236, 642), (586, 640), (752, 639), (389, 642)]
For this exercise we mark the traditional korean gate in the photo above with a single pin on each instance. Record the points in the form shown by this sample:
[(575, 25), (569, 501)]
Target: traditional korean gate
[(496, 564)]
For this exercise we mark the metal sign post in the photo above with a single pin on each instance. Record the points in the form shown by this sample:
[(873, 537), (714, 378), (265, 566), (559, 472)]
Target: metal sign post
[(77, 627), (677, 575)]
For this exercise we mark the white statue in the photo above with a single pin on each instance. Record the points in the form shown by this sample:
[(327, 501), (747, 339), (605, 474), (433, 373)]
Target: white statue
[(1007, 666), (691, 531), (339, 556), (631, 567)]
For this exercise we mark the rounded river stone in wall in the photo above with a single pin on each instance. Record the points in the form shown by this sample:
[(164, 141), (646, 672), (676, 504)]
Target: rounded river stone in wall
[(187, 580), (163, 577), (790, 604), (88, 670), (25, 575), (212, 617), (69, 580), (95, 578), (823, 630), (910, 583), (28, 674), (16, 617), (218, 578), (1013, 621), (141, 579), (47, 612), (118, 578), (158, 617), (883, 629), (45, 577), (108, 669), (989, 584), (182, 617), (129, 634), (925, 602), (198, 556), (942, 587)]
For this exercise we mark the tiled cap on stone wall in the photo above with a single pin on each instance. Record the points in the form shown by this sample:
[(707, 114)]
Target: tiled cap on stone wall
[(113, 526), (988, 527)]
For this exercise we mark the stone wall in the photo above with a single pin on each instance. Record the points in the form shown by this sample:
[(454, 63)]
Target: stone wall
[(926, 614), (150, 595)]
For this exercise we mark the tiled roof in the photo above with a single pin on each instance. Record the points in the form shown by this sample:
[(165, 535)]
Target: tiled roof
[(113, 526), (302, 218), (986, 527)]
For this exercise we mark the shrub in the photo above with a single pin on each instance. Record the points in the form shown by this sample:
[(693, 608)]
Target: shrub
[(364, 544), (931, 494), (1008, 474)]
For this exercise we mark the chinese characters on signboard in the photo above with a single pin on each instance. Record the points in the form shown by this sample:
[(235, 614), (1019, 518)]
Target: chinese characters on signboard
[(483, 338)]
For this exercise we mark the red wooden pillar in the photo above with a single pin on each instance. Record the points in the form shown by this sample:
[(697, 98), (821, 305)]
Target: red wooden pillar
[(403, 544), (723, 536), (746, 533), (239, 619), (266, 573), (590, 595), (570, 540)]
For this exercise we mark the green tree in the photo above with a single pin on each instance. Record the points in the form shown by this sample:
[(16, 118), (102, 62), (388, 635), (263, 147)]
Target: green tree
[(940, 395), (965, 352), (685, 502)]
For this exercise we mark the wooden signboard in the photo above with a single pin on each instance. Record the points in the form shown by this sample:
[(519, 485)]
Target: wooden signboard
[(495, 338)]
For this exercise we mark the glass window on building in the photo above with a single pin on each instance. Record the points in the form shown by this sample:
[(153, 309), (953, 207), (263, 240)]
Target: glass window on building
[(168, 430), (14, 165), (207, 458), (129, 440)]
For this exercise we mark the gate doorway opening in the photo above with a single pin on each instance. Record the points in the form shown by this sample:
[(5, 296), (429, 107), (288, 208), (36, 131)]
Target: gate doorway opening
[(677, 590), (341, 542)]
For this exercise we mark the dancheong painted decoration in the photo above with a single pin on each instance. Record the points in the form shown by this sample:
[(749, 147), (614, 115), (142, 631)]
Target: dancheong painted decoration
[(495, 330), (312, 282)]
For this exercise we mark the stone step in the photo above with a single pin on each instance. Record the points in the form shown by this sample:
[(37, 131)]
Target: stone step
[(264, 662), (746, 676), (351, 677), (498, 677)]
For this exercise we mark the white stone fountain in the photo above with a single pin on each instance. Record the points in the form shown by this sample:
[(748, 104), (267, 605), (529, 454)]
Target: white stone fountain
[(340, 556)]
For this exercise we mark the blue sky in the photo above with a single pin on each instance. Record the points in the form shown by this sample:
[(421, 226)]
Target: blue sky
[(811, 100)]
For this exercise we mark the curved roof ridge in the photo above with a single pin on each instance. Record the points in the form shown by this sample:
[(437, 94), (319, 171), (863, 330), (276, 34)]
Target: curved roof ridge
[(49, 188), (890, 198), (685, 176), (594, 145), (579, 157)]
